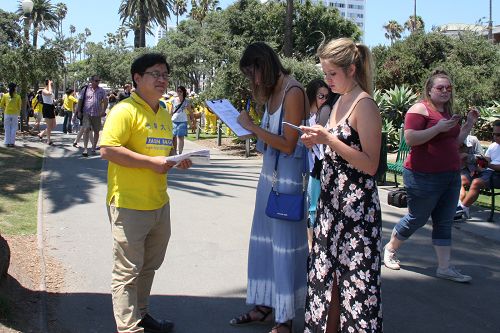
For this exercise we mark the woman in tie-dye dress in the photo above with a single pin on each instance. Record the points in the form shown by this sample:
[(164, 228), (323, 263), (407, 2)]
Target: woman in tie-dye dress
[(277, 258), (344, 265)]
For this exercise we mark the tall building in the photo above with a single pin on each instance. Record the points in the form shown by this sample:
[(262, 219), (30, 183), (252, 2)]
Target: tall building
[(162, 32), (353, 10)]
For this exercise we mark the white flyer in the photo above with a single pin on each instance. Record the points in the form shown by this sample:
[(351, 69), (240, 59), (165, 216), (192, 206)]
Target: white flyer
[(197, 157), (229, 115)]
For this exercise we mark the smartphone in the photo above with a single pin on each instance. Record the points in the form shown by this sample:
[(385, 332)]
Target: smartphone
[(294, 127)]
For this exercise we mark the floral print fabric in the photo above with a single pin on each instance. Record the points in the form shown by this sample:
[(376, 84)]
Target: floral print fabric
[(346, 245)]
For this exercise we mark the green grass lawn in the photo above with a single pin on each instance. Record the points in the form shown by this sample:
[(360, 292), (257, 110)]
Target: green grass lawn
[(19, 185), (483, 200)]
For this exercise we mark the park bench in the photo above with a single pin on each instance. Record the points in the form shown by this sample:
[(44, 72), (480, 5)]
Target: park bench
[(397, 167), (491, 192)]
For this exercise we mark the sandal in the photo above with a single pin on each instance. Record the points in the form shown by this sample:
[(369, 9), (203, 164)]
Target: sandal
[(282, 327), (246, 319)]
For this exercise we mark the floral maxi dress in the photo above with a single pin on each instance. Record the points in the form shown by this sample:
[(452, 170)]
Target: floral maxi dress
[(346, 245)]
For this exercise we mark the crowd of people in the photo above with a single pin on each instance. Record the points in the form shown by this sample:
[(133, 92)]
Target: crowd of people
[(327, 261)]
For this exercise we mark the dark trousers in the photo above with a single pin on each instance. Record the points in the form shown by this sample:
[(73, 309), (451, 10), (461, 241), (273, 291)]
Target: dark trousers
[(67, 121)]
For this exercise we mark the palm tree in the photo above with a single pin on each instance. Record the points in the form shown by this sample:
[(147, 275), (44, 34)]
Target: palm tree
[(43, 17), (147, 11), (393, 31), (180, 7), (200, 10), (61, 11), (133, 24), (413, 25), (72, 53)]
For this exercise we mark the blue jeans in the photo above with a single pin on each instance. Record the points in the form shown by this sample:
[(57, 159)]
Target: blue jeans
[(430, 195), (67, 121)]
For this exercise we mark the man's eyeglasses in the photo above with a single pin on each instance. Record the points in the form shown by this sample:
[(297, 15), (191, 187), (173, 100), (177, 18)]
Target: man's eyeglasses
[(444, 88), (321, 96), (157, 75)]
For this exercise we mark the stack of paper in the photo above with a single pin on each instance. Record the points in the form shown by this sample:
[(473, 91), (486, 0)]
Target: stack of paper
[(197, 157)]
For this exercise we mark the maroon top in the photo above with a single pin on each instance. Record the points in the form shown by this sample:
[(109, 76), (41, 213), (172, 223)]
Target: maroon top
[(439, 154)]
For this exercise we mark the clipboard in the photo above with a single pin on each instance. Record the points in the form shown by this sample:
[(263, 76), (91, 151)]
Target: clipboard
[(229, 116)]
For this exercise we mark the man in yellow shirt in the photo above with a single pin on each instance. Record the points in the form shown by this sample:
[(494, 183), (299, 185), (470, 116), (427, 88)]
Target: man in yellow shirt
[(69, 104), (136, 138)]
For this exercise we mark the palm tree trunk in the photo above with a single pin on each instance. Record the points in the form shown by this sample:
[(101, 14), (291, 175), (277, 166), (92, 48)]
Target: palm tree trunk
[(287, 45), (137, 38), (414, 15), (35, 35), (143, 21)]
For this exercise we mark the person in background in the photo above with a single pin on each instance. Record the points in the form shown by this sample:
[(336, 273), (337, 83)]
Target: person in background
[(278, 248), (137, 137), (344, 265), (486, 167), (11, 106), (48, 111), (318, 93), (431, 172), (181, 110), (125, 93), (69, 103), (112, 99), (94, 108), (36, 104)]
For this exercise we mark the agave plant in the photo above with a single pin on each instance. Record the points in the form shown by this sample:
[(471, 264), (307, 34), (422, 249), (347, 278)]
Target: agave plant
[(392, 134), (487, 115), (396, 102)]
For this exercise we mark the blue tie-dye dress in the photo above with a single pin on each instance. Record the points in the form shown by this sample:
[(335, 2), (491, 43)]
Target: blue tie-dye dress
[(277, 258)]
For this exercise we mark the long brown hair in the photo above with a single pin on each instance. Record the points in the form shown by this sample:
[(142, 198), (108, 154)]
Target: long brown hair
[(429, 83), (343, 52), (260, 58)]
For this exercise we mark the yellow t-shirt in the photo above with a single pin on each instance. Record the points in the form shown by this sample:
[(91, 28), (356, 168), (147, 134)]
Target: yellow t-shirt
[(69, 102), (11, 105), (36, 105), (135, 126)]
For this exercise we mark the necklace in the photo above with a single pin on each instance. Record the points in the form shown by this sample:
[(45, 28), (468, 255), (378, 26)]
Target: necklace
[(352, 88)]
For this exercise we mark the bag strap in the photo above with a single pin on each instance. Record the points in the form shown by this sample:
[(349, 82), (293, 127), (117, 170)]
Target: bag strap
[(280, 125), (83, 98), (179, 106)]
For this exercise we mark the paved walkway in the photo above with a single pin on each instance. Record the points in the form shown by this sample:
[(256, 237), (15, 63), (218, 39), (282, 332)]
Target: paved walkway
[(202, 282)]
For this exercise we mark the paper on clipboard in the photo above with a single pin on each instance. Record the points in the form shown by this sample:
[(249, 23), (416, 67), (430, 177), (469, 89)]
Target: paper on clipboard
[(229, 115)]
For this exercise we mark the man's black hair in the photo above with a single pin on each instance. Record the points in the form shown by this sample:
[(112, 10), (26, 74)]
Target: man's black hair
[(143, 62)]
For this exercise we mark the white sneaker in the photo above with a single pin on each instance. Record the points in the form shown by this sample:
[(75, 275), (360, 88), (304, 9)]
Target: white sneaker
[(451, 273), (466, 211), (390, 259)]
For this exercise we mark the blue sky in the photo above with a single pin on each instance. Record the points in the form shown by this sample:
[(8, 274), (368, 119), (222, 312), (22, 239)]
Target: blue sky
[(101, 17)]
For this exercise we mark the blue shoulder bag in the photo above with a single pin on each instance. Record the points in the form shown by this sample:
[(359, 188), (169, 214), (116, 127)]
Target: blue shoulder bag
[(284, 206)]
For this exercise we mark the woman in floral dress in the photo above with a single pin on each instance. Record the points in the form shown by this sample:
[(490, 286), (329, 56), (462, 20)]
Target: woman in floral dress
[(344, 264)]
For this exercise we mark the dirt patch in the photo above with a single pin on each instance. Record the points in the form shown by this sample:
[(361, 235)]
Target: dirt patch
[(230, 146), (22, 287)]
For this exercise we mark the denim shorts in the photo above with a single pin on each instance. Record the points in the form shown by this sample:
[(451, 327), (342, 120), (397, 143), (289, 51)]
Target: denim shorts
[(430, 195), (180, 128), (484, 175)]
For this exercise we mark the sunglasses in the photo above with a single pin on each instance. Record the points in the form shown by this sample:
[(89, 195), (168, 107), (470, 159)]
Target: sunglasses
[(444, 88), (321, 96)]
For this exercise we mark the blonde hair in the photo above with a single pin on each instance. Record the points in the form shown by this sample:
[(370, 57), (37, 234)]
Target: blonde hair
[(429, 83), (343, 52)]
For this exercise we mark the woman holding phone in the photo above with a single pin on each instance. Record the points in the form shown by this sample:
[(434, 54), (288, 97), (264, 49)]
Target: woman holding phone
[(431, 172)]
